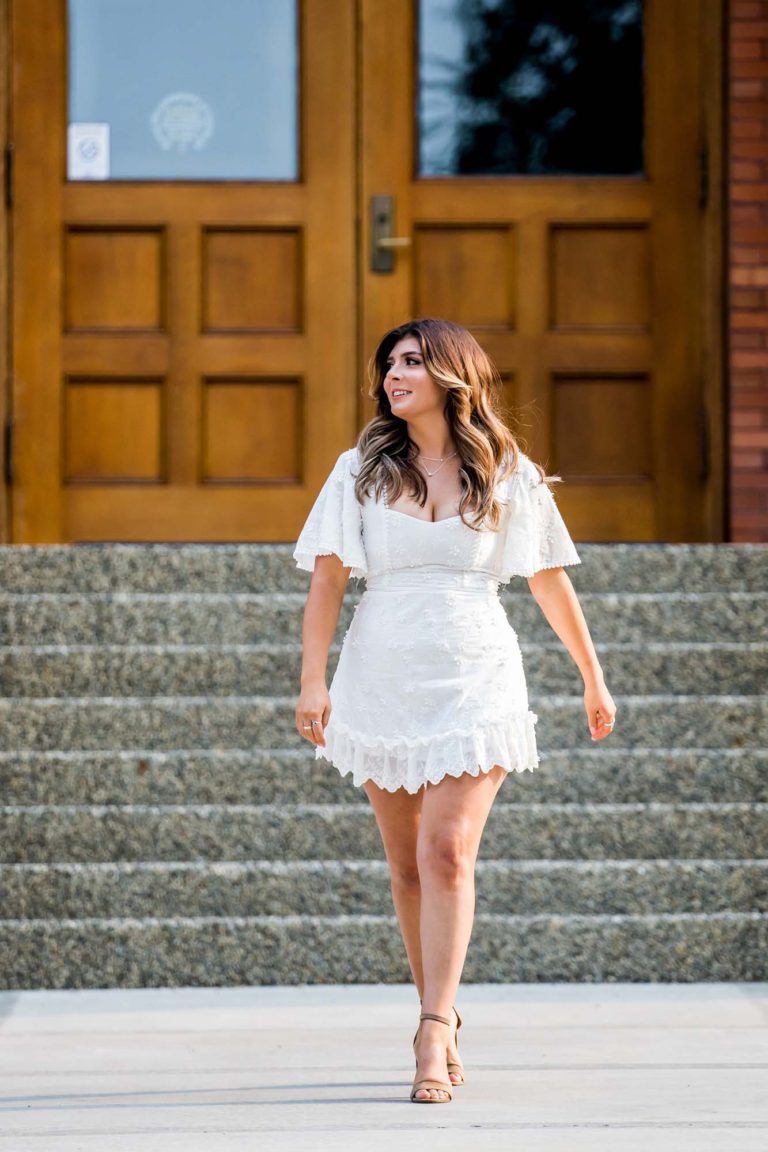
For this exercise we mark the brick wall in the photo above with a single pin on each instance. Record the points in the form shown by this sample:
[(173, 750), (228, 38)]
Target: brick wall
[(748, 262)]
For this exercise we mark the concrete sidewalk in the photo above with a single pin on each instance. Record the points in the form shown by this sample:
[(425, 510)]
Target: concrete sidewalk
[(550, 1068)]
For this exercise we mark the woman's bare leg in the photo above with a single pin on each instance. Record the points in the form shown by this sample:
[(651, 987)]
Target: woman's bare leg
[(398, 815), (453, 816)]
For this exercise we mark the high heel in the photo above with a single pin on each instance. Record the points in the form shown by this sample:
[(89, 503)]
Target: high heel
[(418, 1085), (453, 1066)]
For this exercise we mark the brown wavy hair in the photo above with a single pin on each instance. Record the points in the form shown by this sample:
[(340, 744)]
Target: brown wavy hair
[(487, 449)]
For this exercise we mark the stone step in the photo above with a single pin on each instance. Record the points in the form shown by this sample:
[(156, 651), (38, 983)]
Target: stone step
[(167, 723), (227, 568), (599, 773), (237, 669), (221, 951), (276, 617), (100, 833), (344, 888)]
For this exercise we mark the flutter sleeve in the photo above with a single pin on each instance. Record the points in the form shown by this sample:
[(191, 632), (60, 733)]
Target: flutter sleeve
[(334, 526), (536, 535)]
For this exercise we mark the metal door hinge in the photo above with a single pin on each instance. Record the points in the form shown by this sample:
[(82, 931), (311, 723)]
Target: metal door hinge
[(8, 452), (8, 176)]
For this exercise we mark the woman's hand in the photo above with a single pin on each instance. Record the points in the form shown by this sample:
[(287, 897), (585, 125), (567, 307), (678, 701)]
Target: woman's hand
[(558, 601), (314, 704), (600, 709)]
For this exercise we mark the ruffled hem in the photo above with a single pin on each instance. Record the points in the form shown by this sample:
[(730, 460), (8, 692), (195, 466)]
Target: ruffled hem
[(410, 763)]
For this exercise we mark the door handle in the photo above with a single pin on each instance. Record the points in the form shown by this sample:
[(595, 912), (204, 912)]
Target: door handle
[(383, 243)]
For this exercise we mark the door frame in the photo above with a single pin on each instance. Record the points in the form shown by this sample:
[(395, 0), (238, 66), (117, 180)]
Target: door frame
[(714, 374), (6, 385)]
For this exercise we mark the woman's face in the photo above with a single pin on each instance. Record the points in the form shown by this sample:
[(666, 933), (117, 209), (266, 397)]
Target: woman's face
[(410, 389)]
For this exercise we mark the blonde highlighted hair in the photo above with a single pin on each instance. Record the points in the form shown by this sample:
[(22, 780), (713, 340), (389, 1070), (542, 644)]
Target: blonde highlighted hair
[(487, 449)]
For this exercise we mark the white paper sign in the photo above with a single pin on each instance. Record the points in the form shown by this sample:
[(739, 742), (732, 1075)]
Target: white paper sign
[(88, 152)]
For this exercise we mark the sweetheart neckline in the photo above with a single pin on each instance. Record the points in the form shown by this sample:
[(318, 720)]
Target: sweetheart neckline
[(419, 519)]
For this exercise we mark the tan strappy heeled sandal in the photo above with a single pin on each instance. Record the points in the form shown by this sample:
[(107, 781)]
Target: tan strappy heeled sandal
[(418, 1085), (453, 1066), (457, 1069)]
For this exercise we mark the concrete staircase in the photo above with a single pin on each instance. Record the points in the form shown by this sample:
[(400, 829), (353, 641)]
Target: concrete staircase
[(163, 824)]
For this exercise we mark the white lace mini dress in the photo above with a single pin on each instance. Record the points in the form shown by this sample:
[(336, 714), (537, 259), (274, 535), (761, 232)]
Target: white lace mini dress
[(429, 681)]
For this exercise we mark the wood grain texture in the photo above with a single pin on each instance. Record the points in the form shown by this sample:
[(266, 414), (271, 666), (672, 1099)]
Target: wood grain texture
[(37, 38), (175, 337), (562, 279), (6, 398), (605, 285)]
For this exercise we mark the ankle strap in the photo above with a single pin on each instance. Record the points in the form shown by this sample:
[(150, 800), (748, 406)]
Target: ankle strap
[(432, 1016)]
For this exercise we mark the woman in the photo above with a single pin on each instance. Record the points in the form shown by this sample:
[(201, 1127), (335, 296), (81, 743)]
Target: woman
[(428, 708)]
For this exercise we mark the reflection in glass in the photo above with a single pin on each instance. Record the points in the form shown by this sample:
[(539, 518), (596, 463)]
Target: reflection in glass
[(183, 89), (530, 87)]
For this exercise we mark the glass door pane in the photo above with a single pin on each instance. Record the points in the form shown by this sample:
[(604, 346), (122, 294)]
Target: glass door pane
[(517, 87), (183, 90)]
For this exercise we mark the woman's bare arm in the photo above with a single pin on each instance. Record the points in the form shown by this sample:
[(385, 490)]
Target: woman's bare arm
[(556, 596), (321, 615)]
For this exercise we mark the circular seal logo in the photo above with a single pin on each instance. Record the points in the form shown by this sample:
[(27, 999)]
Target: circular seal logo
[(182, 121), (88, 148)]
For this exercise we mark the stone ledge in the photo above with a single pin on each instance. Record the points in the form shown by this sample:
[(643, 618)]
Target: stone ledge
[(230, 619), (241, 832), (269, 567), (598, 773), (329, 888), (167, 723), (364, 949), (62, 671)]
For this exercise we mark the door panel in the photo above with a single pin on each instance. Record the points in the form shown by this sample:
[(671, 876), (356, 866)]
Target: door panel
[(582, 288), (178, 355)]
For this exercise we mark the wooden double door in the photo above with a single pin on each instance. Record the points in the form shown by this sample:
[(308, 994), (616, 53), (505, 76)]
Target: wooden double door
[(189, 354)]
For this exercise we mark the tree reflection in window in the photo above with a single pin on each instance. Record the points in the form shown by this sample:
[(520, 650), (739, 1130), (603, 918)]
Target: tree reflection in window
[(530, 87)]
